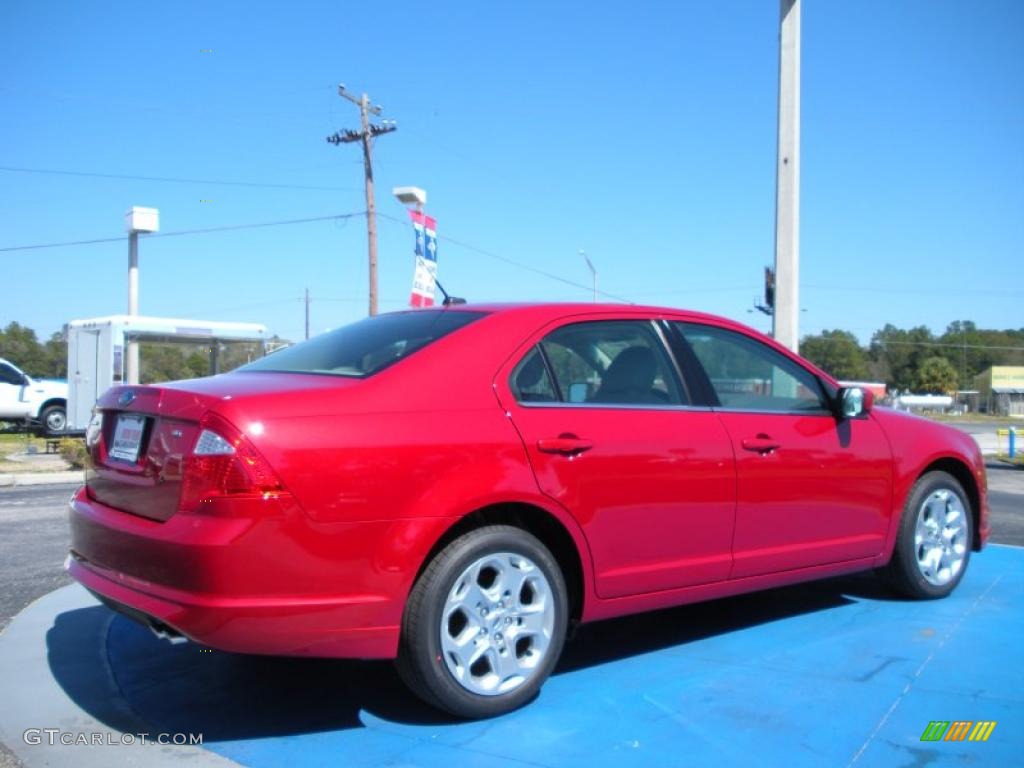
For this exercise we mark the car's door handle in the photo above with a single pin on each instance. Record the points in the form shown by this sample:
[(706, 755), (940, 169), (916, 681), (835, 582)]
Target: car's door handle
[(762, 444), (567, 445)]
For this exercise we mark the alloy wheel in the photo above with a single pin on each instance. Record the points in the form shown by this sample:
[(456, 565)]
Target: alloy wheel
[(497, 623), (940, 536)]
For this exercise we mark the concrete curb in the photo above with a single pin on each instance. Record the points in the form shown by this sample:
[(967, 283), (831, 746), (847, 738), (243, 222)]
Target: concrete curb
[(41, 478), (33, 699)]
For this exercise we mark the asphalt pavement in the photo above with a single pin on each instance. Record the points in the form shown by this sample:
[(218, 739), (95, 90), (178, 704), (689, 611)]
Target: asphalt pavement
[(33, 544)]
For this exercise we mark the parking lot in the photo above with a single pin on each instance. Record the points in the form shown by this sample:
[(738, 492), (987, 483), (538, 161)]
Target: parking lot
[(830, 673)]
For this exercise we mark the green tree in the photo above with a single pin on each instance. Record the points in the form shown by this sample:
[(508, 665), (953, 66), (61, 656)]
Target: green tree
[(936, 376), (162, 362), (198, 364), (838, 353), (55, 351), (20, 345), (972, 350), (901, 353)]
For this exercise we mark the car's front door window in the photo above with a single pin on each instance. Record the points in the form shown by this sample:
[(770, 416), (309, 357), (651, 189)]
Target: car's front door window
[(747, 375)]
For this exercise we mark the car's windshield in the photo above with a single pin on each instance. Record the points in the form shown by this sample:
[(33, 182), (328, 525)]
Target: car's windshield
[(367, 346)]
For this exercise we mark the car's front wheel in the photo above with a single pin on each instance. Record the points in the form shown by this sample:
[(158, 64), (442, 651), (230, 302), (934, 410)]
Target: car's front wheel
[(485, 623), (933, 544)]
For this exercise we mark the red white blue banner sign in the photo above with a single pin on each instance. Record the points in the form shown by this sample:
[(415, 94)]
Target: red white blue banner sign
[(424, 278)]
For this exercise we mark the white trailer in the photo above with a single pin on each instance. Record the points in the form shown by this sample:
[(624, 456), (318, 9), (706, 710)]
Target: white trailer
[(924, 402), (96, 351)]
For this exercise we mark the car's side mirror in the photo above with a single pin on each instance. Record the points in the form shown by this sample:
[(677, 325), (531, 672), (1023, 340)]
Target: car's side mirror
[(854, 402)]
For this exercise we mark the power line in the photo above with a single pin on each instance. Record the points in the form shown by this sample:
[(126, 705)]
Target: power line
[(885, 343), (527, 267), (922, 291), (335, 217), (175, 180)]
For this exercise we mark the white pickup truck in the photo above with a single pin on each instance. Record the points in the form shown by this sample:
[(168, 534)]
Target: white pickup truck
[(41, 402)]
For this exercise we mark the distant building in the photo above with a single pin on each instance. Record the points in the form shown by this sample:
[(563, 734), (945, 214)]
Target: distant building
[(1001, 390)]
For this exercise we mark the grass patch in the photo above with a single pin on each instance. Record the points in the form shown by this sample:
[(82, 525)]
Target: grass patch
[(966, 418), (23, 443), (74, 452), (1017, 461)]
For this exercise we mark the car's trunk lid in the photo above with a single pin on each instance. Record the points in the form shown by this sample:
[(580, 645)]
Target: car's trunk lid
[(145, 436), (148, 433)]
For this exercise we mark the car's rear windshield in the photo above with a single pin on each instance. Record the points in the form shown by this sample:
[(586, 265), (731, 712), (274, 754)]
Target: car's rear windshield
[(367, 346)]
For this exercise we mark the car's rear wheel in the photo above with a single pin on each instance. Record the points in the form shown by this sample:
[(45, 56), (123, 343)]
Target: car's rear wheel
[(485, 623), (933, 545), (54, 420)]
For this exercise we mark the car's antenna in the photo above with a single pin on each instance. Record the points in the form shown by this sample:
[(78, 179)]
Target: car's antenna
[(448, 300)]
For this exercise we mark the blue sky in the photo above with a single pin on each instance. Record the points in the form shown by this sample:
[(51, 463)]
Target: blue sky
[(643, 133)]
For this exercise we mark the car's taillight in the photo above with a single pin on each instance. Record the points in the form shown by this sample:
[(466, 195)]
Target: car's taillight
[(224, 463)]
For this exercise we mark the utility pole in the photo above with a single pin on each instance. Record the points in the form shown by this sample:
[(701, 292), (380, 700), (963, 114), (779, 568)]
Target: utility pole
[(365, 134), (785, 325), (963, 355), (307, 313)]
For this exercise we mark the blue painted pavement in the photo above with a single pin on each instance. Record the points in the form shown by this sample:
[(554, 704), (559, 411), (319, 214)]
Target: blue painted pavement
[(834, 673)]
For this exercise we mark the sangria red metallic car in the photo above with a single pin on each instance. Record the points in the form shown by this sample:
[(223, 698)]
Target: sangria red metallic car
[(453, 487)]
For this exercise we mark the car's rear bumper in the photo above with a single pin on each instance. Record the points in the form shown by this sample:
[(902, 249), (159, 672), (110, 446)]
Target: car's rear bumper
[(262, 580), (299, 627)]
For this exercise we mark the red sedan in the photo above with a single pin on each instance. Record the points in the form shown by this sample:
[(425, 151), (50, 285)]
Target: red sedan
[(453, 487)]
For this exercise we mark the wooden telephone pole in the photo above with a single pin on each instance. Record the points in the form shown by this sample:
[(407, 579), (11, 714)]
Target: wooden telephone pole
[(365, 134)]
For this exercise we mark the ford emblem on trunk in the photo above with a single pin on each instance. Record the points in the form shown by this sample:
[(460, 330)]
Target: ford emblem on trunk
[(126, 398)]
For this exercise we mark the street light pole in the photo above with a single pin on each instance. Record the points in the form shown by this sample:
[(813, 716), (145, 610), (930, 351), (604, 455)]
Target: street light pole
[(137, 220), (132, 358), (593, 272)]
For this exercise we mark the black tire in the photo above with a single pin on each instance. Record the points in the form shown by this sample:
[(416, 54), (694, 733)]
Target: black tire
[(904, 572), (54, 420), (421, 661)]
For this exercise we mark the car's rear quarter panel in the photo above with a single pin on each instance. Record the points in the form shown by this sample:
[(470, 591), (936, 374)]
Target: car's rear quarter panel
[(382, 468)]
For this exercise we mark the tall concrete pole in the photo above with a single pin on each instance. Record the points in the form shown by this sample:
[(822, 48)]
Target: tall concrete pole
[(132, 356), (787, 191)]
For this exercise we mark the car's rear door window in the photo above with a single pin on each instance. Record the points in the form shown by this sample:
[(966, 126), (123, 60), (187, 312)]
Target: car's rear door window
[(367, 346), (606, 362), (531, 381), (750, 376)]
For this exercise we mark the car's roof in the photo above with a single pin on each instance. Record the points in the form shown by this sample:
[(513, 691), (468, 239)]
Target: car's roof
[(539, 314), (553, 310)]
